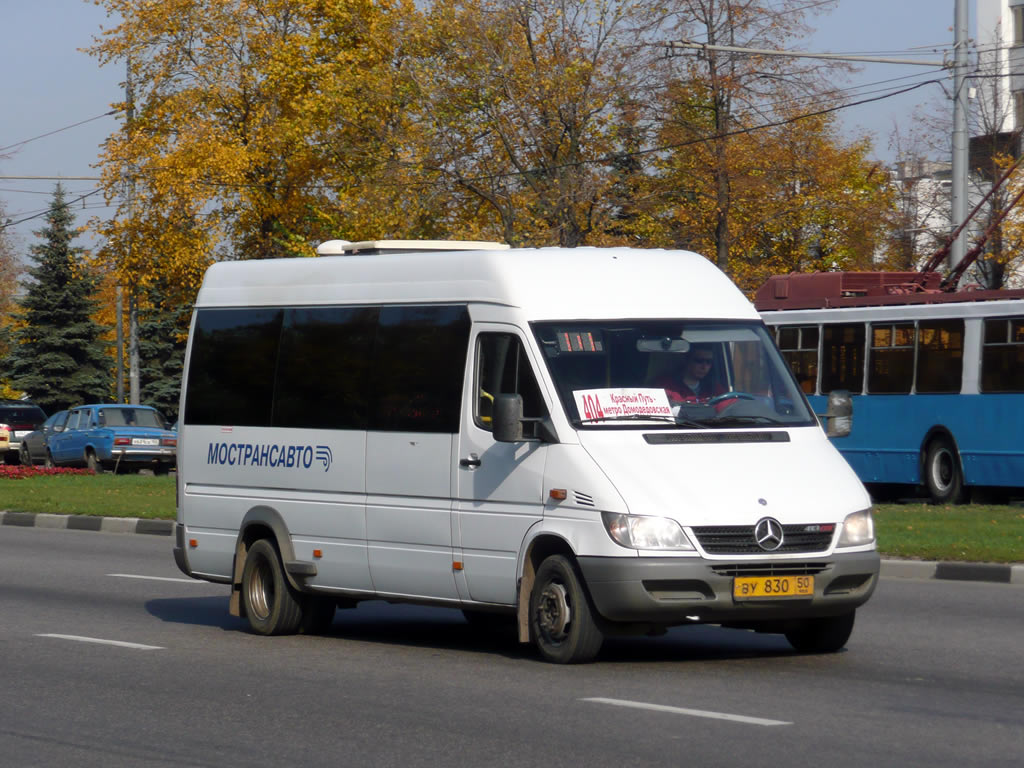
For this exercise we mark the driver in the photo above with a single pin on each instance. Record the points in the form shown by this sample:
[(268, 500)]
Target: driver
[(693, 381)]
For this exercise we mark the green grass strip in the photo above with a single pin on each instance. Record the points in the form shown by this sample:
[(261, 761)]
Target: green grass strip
[(972, 532)]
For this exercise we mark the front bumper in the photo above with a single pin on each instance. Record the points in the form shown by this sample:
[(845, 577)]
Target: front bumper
[(667, 591)]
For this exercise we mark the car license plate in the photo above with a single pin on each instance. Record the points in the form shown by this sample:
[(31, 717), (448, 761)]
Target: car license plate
[(145, 441), (771, 587)]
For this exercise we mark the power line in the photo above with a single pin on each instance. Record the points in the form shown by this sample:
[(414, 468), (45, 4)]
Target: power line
[(66, 204), (59, 130)]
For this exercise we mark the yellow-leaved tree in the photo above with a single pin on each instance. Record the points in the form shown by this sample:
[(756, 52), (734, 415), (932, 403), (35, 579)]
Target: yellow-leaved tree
[(523, 104), (255, 128), (750, 170)]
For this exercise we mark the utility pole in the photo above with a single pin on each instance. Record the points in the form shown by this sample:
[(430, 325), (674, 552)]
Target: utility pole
[(133, 309), (961, 140), (120, 343), (958, 201)]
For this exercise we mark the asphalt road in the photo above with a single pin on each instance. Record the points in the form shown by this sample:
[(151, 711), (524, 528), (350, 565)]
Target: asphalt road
[(933, 676)]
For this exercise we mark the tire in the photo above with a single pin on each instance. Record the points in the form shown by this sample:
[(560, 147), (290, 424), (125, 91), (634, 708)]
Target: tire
[(562, 623), (943, 477), (92, 463), (827, 634), (24, 457), (271, 605), (48, 460)]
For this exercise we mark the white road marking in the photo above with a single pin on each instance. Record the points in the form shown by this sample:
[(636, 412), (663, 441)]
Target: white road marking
[(153, 578), (691, 712), (100, 641)]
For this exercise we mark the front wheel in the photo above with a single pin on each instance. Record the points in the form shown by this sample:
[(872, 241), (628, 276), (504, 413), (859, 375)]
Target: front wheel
[(48, 461), (942, 474), (24, 457), (826, 634), (562, 623), (271, 605)]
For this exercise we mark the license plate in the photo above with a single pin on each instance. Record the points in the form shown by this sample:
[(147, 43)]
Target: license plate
[(145, 441), (772, 587)]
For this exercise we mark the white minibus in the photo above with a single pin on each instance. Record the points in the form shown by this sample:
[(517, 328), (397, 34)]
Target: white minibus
[(578, 442)]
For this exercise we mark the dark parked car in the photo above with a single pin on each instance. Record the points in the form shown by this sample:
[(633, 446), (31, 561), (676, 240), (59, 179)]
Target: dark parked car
[(33, 445), (114, 437), (21, 417)]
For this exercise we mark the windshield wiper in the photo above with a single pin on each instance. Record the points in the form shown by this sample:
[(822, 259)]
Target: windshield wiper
[(728, 421), (630, 417)]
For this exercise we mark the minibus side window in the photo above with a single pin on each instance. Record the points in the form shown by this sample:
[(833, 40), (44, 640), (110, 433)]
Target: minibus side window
[(323, 368), (419, 356), (232, 364), (502, 367)]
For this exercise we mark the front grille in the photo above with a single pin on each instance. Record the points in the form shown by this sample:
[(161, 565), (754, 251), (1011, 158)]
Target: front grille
[(739, 539), (769, 569)]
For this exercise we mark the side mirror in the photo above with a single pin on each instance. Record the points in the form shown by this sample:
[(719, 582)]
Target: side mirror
[(839, 413), (508, 418)]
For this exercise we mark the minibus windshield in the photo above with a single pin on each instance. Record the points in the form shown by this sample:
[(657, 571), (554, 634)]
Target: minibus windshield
[(671, 373)]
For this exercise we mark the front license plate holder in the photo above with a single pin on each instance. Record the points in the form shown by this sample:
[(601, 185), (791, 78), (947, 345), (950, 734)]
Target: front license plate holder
[(772, 587)]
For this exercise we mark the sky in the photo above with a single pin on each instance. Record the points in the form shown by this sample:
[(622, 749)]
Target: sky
[(49, 86)]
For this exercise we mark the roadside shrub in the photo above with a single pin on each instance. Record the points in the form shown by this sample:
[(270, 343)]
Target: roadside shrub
[(20, 472)]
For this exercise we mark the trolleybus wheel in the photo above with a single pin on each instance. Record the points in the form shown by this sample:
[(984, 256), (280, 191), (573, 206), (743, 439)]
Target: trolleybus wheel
[(942, 474)]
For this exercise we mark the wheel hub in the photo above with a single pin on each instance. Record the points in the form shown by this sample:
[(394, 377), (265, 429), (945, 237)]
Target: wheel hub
[(942, 470), (261, 591), (553, 612)]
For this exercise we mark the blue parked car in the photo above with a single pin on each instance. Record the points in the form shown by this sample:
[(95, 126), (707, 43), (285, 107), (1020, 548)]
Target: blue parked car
[(114, 437)]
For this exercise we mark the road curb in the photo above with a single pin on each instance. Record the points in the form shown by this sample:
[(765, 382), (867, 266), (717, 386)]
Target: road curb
[(997, 573), (88, 523), (891, 569)]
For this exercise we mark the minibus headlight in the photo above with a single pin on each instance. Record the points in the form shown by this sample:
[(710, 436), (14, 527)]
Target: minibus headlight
[(858, 529), (642, 532)]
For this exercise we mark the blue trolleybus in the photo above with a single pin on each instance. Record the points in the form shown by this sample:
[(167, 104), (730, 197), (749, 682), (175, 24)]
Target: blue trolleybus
[(936, 378)]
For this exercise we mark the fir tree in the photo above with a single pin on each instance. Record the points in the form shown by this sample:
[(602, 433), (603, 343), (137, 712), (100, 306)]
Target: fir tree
[(163, 330), (57, 357)]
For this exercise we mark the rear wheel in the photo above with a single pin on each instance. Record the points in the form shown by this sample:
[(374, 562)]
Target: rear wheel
[(826, 634), (93, 463), (942, 474), (271, 605), (562, 623)]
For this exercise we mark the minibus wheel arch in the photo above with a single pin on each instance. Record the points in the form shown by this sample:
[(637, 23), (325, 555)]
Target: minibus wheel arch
[(259, 523), (537, 552)]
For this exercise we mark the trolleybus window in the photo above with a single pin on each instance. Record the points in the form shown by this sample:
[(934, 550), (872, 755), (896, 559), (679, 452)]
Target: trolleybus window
[(843, 358), (892, 358), (1002, 361), (940, 356)]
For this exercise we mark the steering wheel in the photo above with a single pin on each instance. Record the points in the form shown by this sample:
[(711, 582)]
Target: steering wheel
[(731, 396)]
